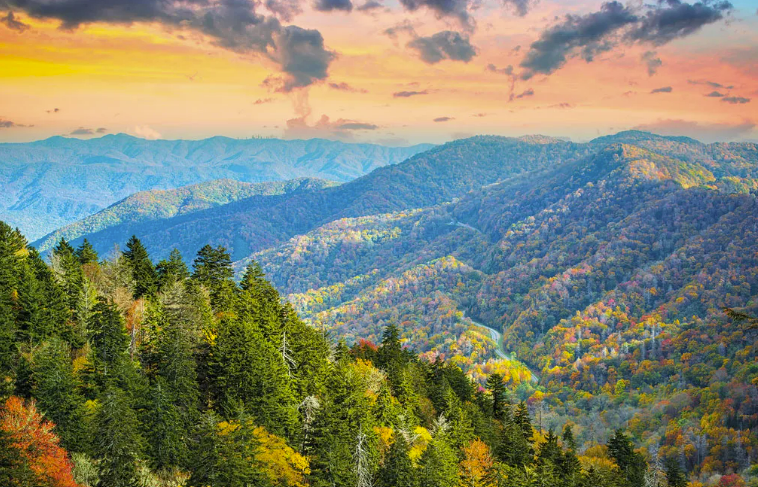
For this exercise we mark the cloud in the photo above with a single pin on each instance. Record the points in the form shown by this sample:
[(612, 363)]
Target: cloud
[(457, 9), (712, 84), (54, 110), (330, 5), (443, 119), (341, 129), (508, 70), (653, 62), (702, 131), (562, 105), (8, 124), (526, 93), (346, 87), (444, 45), (12, 23), (284, 9), (715, 94), (735, 100), (664, 89), (262, 101), (404, 27), (480, 115), (408, 94), (230, 24), (370, 6), (521, 7), (614, 24), (146, 132)]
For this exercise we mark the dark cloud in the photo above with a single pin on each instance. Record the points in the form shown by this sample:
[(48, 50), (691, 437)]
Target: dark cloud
[(444, 45), (370, 6), (341, 129), (54, 110), (652, 61), (664, 89), (715, 94), (83, 131), (11, 22), (703, 132), (675, 19), (284, 9), (443, 119), (521, 7), (458, 9), (262, 101), (405, 27), (735, 100), (330, 5), (712, 84), (346, 87), (480, 115), (614, 24), (563, 105), (231, 24), (348, 125), (8, 124), (508, 70), (526, 93), (408, 94)]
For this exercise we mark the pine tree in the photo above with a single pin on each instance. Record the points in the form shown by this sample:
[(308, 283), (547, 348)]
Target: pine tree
[(143, 271), (397, 470), (631, 463), (496, 388), (438, 465), (172, 270), (675, 477), (213, 269), (118, 443), (86, 253), (523, 420), (67, 265)]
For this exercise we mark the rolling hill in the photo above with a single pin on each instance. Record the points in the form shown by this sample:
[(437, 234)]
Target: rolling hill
[(53, 182)]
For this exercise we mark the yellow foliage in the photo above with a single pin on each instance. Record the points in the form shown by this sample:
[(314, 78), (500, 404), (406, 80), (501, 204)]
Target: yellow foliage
[(420, 442), (280, 463), (476, 465)]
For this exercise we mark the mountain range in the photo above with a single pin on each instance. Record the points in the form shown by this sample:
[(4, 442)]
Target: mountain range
[(54, 182)]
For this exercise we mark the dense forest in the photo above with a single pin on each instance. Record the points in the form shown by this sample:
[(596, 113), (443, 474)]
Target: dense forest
[(118, 372)]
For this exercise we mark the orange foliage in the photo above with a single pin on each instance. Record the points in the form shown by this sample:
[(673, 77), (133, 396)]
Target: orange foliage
[(37, 443)]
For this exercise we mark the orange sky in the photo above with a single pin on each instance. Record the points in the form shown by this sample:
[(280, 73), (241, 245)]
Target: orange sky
[(162, 81)]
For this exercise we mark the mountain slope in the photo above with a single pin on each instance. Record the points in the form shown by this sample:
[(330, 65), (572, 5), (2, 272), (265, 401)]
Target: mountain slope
[(53, 182)]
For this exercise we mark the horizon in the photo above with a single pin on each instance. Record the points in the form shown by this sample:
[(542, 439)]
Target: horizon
[(357, 142), (391, 73)]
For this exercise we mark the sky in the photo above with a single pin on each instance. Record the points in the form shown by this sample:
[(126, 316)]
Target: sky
[(381, 71)]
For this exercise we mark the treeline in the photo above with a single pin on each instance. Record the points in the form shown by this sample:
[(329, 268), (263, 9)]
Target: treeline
[(124, 373)]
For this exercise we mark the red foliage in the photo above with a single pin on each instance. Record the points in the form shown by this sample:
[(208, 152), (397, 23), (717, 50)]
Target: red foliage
[(732, 480), (37, 443)]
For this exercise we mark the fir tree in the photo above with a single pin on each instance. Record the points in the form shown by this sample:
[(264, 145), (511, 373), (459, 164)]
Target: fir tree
[(143, 271), (118, 443), (86, 253), (496, 388), (397, 470), (172, 270), (675, 477)]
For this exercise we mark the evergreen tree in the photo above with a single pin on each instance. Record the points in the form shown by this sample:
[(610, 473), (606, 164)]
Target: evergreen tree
[(523, 420), (675, 477), (632, 464), (67, 265), (213, 269), (118, 443), (438, 465), (172, 270), (143, 271), (397, 470), (496, 388), (86, 253)]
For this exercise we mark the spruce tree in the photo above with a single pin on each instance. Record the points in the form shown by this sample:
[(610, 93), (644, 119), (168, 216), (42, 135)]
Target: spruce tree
[(398, 470), (118, 443), (143, 272), (172, 270), (86, 253), (496, 388), (675, 477), (632, 464), (213, 269), (438, 465)]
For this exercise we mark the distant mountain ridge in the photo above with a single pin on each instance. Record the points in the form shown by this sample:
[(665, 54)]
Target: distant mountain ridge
[(50, 183)]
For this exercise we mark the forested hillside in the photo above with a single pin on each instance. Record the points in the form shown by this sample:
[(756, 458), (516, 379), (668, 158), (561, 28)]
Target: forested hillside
[(54, 182), (123, 373), (605, 266)]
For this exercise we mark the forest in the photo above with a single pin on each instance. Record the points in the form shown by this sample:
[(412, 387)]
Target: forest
[(120, 372)]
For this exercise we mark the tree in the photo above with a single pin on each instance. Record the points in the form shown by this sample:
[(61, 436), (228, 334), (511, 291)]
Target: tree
[(476, 466), (631, 463), (86, 253), (496, 387), (213, 269), (118, 443), (397, 470), (143, 271), (438, 465), (674, 475), (172, 270), (37, 445)]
